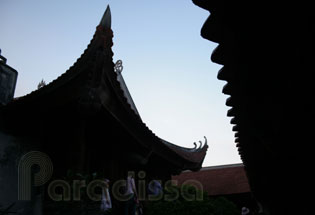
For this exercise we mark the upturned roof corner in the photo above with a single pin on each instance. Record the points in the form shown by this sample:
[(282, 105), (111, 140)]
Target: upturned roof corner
[(106, 20)]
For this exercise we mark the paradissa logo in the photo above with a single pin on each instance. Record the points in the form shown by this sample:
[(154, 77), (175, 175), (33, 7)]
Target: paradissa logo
[(45, 172)]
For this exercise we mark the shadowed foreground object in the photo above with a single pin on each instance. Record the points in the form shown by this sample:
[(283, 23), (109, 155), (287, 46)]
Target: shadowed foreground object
[(268, 54)]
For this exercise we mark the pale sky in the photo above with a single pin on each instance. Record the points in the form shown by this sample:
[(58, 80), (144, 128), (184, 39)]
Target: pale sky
[(167, 65)]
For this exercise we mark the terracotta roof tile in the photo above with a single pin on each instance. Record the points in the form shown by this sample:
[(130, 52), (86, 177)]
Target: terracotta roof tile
[(219, 180)]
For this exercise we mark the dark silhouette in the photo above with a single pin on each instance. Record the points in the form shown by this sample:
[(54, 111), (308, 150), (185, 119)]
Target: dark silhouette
[(267, 52)]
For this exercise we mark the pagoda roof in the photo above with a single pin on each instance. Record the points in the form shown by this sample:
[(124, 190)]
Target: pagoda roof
[(89, 81)]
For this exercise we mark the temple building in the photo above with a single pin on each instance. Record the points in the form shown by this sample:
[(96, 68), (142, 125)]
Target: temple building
[(86, 121)]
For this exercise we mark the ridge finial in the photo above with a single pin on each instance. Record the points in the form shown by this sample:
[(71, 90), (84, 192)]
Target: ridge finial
[(106, 20)]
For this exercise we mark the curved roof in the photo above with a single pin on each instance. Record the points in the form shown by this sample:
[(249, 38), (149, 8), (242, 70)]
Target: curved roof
[(93, 82)]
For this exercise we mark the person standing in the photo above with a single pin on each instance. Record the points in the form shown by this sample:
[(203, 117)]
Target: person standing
[(131, 193), (245, 211), (106, 202), (155, 188)]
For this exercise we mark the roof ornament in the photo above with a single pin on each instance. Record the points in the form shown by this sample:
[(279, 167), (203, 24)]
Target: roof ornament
[(206, 141), (195, 145), (118, 68), (106, 20), (201, 144), (41, 84)]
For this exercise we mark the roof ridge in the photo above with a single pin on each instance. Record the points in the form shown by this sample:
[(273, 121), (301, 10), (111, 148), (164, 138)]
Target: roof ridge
[(224, 166)]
